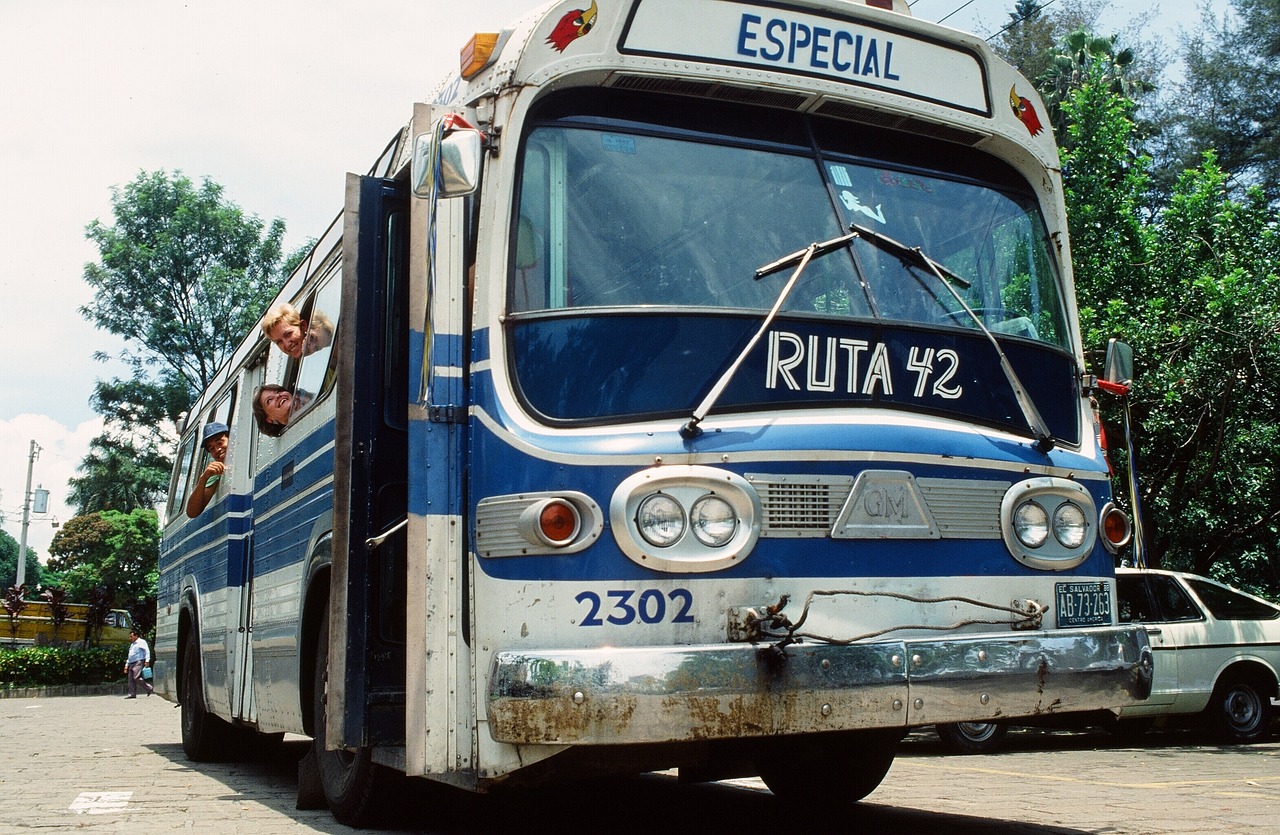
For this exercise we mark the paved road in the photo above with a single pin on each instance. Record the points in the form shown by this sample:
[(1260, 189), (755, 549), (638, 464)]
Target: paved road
[(105, 764)]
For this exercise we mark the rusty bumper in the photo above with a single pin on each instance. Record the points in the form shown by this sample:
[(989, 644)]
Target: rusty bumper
[(665, 694)]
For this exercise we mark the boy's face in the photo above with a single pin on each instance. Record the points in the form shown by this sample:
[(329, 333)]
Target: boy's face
[(217, 447)]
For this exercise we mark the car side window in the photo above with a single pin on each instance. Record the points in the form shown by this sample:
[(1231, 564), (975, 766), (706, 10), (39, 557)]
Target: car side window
[(1135, 601), (1174, 602), (1226, 604)]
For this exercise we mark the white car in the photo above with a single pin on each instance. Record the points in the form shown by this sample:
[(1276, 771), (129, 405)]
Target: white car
[(1216, 652)]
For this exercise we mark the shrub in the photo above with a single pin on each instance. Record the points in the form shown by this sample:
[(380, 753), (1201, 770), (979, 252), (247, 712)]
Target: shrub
[(45, 666)]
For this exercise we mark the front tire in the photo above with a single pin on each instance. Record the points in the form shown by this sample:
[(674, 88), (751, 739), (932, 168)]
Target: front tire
[(827, 768), (972, 737), (1240, 710), (350, 779), (204, 735)]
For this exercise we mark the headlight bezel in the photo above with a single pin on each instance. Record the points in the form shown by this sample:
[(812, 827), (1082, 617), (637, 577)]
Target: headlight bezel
[(688, 486), (1050, 495)]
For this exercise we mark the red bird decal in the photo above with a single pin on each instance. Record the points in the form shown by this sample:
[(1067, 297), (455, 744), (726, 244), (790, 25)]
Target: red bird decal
[(1025, 112), (572, 26)]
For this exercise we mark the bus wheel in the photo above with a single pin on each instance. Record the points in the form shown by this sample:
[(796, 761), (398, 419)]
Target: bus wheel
[(350, 778), (203, 734), (821, 767), (972, 737)]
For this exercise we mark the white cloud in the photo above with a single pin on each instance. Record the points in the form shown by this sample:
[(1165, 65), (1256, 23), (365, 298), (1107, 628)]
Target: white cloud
[(61, 450)]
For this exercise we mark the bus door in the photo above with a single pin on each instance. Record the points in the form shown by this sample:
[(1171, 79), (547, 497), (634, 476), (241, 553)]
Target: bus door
[(368, 582), (242, 462)]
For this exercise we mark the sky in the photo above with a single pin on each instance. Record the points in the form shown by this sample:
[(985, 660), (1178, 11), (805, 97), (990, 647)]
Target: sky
[(273, 99)]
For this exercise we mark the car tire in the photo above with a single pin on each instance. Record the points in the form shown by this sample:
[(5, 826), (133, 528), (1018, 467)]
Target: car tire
[(972, 737), (1240, 710)]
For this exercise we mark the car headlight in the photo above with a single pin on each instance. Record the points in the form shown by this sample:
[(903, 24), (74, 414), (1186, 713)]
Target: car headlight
[(1069, 525), (713, 520), (660, 520)]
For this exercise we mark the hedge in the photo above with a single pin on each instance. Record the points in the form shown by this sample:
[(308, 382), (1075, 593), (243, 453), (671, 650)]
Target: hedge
[(45, 666)]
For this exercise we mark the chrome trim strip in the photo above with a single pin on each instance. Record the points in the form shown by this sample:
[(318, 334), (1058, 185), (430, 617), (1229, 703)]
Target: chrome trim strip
[(636, 695)]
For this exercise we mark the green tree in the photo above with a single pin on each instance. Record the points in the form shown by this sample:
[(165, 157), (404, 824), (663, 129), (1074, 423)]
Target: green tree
[(1228, 101), (112, 551), (36, 574), (183, 274), (1194, 289)]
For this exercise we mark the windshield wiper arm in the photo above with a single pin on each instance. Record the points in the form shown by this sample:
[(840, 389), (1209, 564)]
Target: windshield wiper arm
[(800, 258), (916, 257)]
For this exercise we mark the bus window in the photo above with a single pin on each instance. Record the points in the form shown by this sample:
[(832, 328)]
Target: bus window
[(182, 472), (317, 366)]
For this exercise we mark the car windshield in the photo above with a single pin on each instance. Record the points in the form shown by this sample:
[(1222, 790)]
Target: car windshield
[(614, 218), (1227, 604)]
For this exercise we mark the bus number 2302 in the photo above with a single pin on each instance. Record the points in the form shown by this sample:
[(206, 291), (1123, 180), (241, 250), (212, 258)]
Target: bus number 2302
[(625, 606)]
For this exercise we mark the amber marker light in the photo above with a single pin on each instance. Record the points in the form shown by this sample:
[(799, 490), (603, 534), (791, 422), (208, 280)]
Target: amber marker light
[(477, 54)]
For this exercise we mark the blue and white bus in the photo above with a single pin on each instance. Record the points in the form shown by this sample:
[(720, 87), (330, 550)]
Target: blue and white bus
[(701, 387)]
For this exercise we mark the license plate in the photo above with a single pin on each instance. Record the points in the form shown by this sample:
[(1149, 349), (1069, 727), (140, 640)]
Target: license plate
[(1083, 604)]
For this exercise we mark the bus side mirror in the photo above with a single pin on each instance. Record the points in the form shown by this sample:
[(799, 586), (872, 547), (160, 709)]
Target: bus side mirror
[(446, 161), (1119, 363)]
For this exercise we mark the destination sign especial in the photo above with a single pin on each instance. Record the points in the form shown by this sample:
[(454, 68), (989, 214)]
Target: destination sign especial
[(798, 42)]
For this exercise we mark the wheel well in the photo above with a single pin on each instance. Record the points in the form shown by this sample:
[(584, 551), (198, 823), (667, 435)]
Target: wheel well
[(317, 600), (1251, 671), (186, 628)]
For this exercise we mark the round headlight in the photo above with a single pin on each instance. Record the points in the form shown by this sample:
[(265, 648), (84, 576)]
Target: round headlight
[(713, 521), (1031, 524), (660, 520), (1069, 525)]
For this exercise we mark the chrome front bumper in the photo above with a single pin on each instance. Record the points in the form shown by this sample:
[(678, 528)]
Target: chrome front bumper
[(666, 694)]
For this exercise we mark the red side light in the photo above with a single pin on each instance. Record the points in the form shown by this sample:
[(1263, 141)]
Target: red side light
[(558, 522), (1116, 528)]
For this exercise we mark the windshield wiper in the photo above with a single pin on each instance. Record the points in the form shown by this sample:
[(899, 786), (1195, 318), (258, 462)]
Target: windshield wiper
[(916, 257), (801, 259)]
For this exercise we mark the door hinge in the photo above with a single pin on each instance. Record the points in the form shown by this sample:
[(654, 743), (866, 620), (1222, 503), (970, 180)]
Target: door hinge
[(447, 414)]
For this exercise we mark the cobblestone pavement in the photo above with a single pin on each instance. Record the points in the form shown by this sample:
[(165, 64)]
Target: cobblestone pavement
[(106, 764)]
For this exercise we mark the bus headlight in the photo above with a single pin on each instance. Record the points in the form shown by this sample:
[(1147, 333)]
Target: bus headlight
[(1069, 525), (713, 520), (1031, 524), (660, 520), (1049, 523), (685, 519)]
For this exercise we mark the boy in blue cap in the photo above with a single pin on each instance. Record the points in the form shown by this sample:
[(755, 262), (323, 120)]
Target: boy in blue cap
[(214, 440)]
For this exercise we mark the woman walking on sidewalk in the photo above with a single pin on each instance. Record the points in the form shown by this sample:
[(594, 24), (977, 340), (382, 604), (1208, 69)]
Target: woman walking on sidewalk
[(139, 657)]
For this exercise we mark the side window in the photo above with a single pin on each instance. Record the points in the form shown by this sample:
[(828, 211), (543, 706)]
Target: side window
[(1174, 602), (1227, 604), (181, 476), (221, 413), (1135, 602), (318, 362)]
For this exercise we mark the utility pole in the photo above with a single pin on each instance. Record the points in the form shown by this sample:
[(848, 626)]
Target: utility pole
[(26, 516)]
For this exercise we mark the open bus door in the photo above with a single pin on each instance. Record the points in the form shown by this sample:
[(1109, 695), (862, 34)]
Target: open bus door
[(366, 685)]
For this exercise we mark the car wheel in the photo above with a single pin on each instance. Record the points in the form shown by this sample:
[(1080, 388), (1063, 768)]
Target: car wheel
[(827, 768), (972, 737), (1240, 710)]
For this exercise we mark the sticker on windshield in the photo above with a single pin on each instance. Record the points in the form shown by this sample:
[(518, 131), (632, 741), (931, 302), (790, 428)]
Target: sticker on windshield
[(853, 204)]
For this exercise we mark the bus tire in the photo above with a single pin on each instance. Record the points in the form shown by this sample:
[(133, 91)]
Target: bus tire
[(204, 735), (350, 779), (971, 737), (822, 768)]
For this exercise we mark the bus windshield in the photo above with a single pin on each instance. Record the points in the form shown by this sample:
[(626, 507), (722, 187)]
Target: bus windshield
[(617, 218), (614, 219)]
